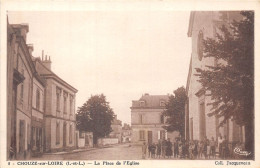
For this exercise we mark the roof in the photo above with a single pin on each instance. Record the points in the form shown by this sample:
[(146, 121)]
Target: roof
[(192, 14), (151, 101), (47, 73)]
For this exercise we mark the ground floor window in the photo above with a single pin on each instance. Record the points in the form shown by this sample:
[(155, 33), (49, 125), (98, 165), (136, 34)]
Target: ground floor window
[(58, 133), (70, 134), (141, 135)]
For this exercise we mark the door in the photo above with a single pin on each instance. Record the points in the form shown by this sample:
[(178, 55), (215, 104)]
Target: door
[(64, 134), (22, 136), (150, 137)]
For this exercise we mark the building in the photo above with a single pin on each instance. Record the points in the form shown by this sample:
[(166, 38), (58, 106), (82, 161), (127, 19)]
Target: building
[(147, 119), (126, 133), (20, 71), (60, 121), (116, 126), (198, 124), (84, 139), (38, 114)]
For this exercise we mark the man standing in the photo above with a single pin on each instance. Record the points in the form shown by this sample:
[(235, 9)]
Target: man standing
[(144, 148)]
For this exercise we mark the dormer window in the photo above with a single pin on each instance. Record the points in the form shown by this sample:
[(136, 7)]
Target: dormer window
[(142, 103), (162, 103)]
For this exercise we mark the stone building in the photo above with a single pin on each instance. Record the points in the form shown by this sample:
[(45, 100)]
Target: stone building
[(116, 126), (126, 133), (147, 119), (60, 121), (20, 71), (198, 124)]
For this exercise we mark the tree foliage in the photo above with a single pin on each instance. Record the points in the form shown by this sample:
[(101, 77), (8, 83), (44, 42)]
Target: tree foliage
[(95, 116), (230, 82), (175, 111)]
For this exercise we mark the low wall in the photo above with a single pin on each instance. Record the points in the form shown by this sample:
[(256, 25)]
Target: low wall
[(107, 141)]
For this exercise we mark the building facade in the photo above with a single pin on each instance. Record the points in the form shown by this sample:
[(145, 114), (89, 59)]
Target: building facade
[(60, 120), (147, 119), (126, 133), (20, 71), (116, 126), (198, 125), (40, 105)]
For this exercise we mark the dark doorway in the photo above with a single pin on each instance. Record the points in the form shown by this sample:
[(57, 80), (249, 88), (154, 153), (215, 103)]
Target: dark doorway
[(150, 137), (64, 134)]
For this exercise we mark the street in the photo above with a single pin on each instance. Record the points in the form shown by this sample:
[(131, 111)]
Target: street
[(118, 152)]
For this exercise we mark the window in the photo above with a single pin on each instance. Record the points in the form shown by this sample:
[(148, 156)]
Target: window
[(141, 118), (70, 134), (162, 103), (200, 45), (58, 133), (71, 104), (22, 88), (141, 136), (38, 99), (65, 95), (142, 103), (81, 134), (58, 93), (162, 119)]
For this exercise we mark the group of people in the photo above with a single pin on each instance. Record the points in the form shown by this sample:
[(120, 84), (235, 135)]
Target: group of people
[(183, 149), (162, 149)]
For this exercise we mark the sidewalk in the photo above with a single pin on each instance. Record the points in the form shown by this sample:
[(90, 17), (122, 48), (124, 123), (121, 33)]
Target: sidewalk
[(82, 150)]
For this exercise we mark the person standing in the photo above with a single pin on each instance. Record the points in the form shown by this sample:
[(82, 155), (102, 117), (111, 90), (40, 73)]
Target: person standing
[(212, 144), (168, 148), (163, 148), (176, 149), (158, 149), (144, 148), (220, 141)]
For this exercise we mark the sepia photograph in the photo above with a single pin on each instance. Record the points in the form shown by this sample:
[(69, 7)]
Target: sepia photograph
[(130, 85)]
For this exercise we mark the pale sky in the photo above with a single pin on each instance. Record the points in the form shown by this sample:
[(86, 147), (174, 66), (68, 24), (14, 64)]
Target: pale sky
[(120, 54)]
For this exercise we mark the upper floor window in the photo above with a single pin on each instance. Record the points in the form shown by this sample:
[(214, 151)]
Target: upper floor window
[(162, 103), (71, 104), (38, 96), (65, 95), (200, 45), (58, 93), (22, 87), (162, 119), (141, 118)]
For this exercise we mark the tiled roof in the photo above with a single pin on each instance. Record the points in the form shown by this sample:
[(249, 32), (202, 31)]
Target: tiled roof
[(151, 101)]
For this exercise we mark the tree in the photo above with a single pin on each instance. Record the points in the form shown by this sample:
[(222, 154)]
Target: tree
[(95, 116), (175, 111), (231, 82)]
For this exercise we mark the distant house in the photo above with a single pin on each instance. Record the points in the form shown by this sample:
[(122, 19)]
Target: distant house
[(126, 133), (147, 119), (198, 124), (116, 129)]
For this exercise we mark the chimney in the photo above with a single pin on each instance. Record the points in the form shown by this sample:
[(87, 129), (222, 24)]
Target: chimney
[(30, 48), (46, 62), (24, 29)]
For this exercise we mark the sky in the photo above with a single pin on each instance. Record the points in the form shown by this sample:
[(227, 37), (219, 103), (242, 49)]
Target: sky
[(120, 54)]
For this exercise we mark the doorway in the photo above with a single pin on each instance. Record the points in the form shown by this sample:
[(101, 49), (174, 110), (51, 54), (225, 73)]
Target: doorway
[(64, 134), (150, 137)]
